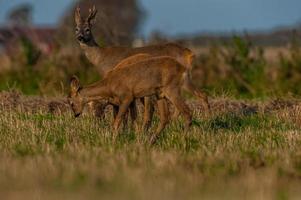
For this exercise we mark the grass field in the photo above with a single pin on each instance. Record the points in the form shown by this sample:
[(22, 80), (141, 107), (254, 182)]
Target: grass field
[(242, 150)]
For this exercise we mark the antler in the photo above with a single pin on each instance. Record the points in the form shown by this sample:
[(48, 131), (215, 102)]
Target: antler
[(78, 18), (92, 14)]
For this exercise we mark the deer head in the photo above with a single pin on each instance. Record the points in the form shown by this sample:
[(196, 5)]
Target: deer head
[(75, 100), (83, 26)]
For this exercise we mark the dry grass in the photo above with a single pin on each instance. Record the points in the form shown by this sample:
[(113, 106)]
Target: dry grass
[(243, 150)]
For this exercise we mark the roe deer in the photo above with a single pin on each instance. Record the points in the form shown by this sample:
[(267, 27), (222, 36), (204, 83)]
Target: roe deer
[(105, 59), (159, 76), (148, 110)]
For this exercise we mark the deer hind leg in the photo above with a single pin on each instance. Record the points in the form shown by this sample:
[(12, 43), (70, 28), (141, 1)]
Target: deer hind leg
[(164, 118), (173, 94), (148, 113), (190, 87)]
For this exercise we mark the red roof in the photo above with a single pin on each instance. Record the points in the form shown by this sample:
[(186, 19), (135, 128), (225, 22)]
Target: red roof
[(42, 38)]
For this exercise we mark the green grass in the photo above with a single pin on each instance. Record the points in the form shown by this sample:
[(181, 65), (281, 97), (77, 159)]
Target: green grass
[(225, 155)]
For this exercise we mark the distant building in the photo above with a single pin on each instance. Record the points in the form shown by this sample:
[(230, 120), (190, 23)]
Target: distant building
[(41, 38)]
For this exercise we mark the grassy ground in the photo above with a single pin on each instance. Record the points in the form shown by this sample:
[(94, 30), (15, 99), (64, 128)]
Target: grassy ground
[(243, 150)]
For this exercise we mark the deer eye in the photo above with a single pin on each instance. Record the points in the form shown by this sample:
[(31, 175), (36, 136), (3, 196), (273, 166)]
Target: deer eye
[(87, 30), (76, 29)]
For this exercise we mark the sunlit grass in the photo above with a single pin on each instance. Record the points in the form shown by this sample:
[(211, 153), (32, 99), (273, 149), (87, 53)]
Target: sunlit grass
[(258, 152)]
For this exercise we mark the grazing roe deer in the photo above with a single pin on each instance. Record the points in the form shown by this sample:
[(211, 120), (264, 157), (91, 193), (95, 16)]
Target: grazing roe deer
[(159, 76), (105, 59)]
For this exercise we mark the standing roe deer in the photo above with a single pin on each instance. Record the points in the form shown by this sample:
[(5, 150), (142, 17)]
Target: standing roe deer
[(105, 59), (160, 76)]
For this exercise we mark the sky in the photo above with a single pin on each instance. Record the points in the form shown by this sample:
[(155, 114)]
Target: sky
[(187, 16)]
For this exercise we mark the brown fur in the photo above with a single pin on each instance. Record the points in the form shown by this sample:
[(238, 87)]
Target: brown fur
[(148, 105), (133, 59), (148, 108), (105, 59), (160, 76)]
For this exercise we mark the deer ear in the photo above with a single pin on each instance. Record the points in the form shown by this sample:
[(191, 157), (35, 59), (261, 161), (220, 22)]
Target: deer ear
[(78, 19), (74, 84), (92, 15)]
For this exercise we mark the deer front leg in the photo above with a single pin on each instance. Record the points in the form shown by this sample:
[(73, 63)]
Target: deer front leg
[(121, 112), (132, 110), (115, 112)]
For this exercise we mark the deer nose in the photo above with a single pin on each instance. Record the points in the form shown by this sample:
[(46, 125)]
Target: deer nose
[(80, 37)]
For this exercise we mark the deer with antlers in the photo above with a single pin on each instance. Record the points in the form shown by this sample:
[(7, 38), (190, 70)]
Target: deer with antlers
[(105, 59), (160, 76)]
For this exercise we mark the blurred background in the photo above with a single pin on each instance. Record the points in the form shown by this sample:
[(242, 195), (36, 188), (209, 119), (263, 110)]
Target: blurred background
[(244, 48)]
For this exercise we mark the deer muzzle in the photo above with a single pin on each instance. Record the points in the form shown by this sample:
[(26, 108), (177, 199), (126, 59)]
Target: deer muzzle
[(76, 115), (80, 38)]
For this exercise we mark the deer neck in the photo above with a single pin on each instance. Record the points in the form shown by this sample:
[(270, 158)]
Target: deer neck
[(96, 91), (94, 54)]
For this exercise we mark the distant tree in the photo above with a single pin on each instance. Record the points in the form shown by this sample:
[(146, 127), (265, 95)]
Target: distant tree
[(117, 21), (21, 15)]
